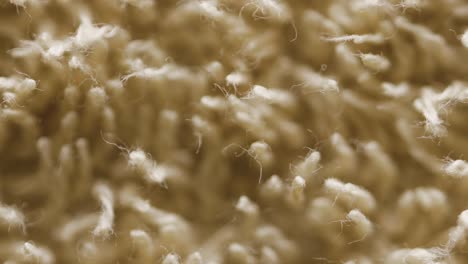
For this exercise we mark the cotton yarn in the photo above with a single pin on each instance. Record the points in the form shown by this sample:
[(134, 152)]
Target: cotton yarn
[(234, 131)]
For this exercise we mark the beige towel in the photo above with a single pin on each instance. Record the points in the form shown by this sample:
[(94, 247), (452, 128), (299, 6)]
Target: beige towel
[(234, 131)]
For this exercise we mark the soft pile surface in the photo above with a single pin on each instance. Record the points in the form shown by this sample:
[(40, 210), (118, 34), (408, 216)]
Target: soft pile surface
[(234, 131)]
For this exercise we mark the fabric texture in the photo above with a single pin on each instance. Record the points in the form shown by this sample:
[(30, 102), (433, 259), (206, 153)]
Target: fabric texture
[(234, 131)]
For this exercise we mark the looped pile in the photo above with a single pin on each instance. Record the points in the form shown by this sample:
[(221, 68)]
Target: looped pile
[(233, 131)]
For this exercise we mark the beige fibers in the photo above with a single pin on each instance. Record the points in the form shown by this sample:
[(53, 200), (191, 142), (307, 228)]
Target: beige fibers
[(234, 131)]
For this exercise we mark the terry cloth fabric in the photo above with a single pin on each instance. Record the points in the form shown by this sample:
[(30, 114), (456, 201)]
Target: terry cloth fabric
[(233, 131)]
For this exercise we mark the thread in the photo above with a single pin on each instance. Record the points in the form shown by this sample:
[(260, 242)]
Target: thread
[(106, 219)]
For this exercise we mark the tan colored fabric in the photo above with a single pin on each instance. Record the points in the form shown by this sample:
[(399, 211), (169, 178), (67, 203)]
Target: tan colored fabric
[(234, 131)]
